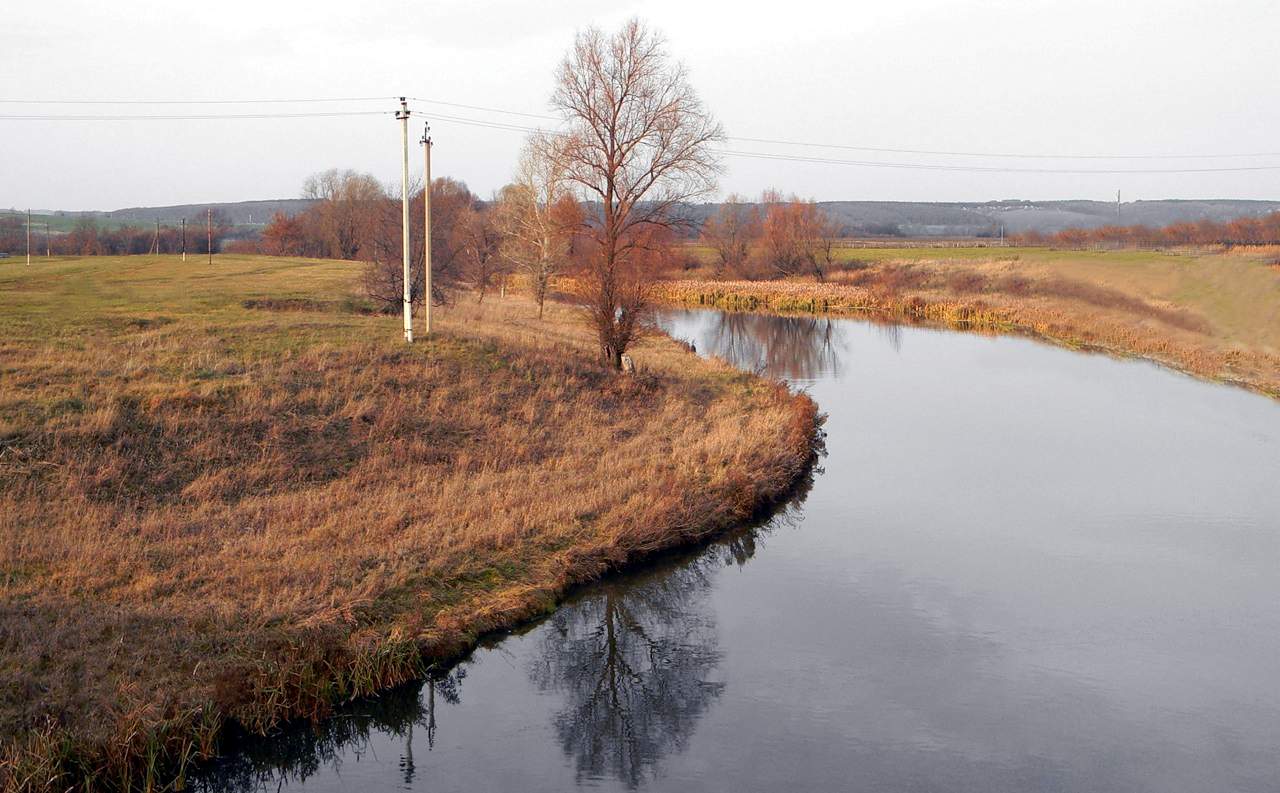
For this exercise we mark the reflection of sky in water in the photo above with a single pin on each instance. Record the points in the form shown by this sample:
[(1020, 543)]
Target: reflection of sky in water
[(1021, 569)]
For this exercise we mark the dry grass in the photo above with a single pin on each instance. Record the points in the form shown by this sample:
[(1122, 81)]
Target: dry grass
[(230, 493), (1214, 315)]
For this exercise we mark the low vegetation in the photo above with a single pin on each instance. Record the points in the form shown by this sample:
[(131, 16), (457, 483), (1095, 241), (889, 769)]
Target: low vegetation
[(1215, 314), (1263, 230), (230, 493)]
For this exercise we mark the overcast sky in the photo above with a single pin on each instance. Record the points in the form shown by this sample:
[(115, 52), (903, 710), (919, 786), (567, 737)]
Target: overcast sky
[(1183, 77)]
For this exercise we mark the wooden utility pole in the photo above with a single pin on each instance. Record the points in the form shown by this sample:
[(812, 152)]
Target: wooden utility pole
[(155, 240), (28, 237), (184, 239), (402, 115), (208, 228), (426, 233)]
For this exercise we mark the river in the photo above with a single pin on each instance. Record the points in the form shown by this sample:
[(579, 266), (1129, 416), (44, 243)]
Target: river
[(1019, 568)]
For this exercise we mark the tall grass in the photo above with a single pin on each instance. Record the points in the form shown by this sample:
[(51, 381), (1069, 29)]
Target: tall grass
[(232, 495)]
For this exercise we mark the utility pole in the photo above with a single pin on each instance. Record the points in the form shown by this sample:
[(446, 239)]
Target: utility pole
[(47, 250), (28, 237), (208, 228), (426, 234), (402, 115), (155, 241), (1117, 207), (184, 239)]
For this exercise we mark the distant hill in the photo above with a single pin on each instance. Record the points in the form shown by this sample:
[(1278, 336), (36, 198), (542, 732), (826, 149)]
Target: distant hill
[(856, 218), (240, 213), (958, 219)]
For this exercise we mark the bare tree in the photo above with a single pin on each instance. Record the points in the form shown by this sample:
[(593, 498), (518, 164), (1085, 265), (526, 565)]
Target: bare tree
[(637, 147), (731, 233), (348, 205), (478, 241), (537, 217), (796, 237), (451, 202)]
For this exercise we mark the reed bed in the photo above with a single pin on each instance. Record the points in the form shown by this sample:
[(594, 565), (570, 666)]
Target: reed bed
[(232, 495)]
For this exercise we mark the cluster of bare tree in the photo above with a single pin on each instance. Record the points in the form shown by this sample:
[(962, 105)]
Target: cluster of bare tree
[(598, 199), (1263, 230), (87, 238), (776, 237)]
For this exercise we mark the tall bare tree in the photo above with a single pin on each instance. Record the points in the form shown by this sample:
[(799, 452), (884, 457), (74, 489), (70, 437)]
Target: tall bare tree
[(537, 217), (638, 146)]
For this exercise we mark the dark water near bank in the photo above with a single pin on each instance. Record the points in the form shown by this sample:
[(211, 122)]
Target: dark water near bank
[(1021, 569)]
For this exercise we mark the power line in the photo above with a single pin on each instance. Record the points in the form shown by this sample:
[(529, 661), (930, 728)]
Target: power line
[(989, 169), (195, 101), (887, 150), (994, 155), (542, 116), (186, 116), (890, 164), (513, 127)]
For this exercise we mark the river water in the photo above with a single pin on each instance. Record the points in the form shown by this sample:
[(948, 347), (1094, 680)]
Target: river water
[(1019, 568)]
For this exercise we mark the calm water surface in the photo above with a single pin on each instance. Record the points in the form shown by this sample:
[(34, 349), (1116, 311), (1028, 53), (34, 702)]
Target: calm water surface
[(1020, 569)]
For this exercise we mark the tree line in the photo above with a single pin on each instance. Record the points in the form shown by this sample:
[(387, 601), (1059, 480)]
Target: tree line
[(88, 238), (774, 237), (1264, 230)]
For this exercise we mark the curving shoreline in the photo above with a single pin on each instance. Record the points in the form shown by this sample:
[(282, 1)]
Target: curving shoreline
[(260, 551), (1056, 323)]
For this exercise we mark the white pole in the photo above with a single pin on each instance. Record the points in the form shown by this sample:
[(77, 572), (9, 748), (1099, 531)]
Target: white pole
[(28, 237), (403, 115), (426, 240)]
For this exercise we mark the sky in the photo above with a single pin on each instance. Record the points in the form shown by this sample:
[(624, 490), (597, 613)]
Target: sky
[(1157, 77)]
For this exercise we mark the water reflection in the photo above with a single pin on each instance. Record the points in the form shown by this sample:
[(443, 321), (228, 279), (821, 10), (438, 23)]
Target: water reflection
[(632, 661), (635, 663), (792, 348), (1023, 569), (299, 752)]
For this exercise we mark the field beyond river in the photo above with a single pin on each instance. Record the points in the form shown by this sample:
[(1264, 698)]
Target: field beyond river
[(230, 493), (1214, 313)]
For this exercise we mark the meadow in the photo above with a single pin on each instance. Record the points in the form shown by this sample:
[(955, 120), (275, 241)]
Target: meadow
[(231, 493), (1212, 312)]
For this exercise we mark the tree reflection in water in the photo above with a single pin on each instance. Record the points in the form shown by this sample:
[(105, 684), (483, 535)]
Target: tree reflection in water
[(635, 659), (795, 348), (298, 751)]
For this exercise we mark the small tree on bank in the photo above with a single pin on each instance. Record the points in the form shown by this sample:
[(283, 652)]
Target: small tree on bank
[(732, 233), (797, 238), (638, 145), (537, 217)]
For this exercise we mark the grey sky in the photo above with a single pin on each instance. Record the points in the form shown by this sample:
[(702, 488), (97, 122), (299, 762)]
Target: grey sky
[(1084, 77)]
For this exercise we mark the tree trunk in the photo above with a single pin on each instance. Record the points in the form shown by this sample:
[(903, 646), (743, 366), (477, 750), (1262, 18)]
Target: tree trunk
[(613, 356)]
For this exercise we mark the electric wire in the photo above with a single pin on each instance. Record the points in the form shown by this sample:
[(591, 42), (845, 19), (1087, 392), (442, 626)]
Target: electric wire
[(188, 116), (514, 127), (197, 101)]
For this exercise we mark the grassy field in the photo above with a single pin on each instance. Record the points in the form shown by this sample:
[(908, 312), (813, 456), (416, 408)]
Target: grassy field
[(1212, 313), (230, 492)]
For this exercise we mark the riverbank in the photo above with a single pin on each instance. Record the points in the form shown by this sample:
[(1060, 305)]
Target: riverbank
[(1215, 315), (232, 493)]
